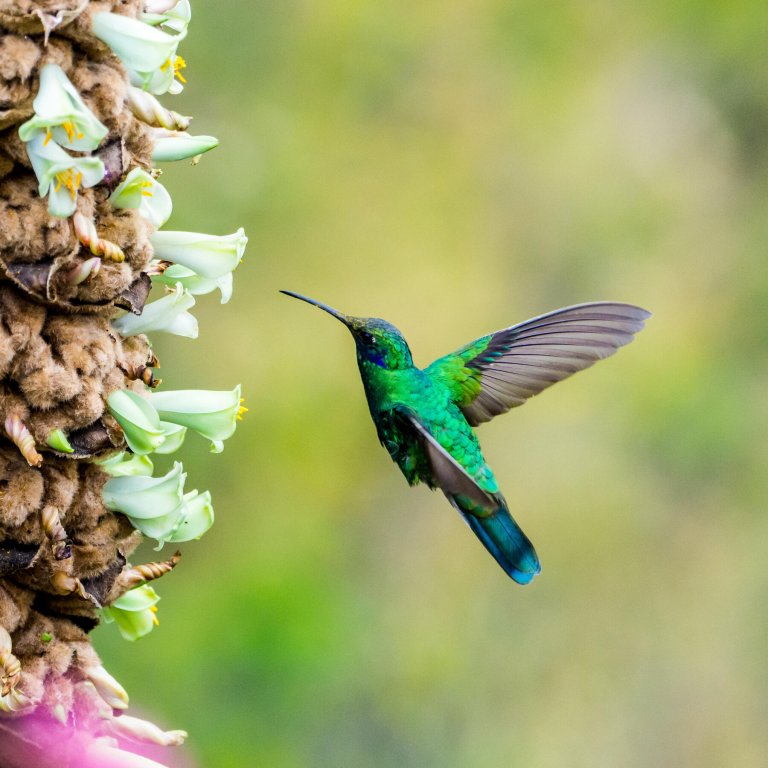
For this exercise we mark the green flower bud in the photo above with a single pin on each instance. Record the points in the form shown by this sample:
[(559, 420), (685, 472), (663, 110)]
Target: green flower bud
[(58, 441), (179, 145)]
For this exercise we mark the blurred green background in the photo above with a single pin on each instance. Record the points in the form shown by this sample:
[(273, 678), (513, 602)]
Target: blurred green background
[(456, 167)]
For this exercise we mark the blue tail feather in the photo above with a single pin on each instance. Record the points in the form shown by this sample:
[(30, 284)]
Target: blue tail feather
[(504, 539)]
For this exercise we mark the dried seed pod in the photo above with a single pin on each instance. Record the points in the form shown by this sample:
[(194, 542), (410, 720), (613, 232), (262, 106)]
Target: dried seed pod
[(54, 530), (83, 270), (140, 574), (85, 229), (9, 664)]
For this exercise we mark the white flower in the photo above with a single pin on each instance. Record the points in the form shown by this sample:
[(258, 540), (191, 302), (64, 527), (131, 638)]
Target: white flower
[(175, 18), (190, 520), (146, 498), (139, 190), (158, 506), (60, 175), (61, 114), (194, 283), (209, 256), (212, 414), (168, 314), (148, 53)]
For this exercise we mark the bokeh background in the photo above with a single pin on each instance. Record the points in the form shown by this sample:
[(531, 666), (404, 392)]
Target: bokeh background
[(456, 167)]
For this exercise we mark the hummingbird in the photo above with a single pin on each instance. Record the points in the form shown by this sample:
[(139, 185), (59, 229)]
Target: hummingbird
[(424, 417)]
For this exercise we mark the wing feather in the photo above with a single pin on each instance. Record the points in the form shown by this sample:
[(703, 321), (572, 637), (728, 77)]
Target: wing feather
[(447, 473), (502, 370)]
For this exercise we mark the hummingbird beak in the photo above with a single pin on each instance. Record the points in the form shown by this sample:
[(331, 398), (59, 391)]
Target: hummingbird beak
[(330, 310)]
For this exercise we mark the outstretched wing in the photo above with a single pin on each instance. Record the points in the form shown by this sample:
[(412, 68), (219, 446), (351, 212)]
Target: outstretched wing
[(499, 371)]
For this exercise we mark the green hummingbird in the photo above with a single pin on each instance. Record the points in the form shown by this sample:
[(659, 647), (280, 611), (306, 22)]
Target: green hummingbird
[(424, 417)]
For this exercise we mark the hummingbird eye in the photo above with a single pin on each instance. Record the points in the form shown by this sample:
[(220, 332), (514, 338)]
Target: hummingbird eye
[(367, 337)]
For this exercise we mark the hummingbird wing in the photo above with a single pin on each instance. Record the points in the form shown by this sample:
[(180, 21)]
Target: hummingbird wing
[(484, 511), (502, 370)]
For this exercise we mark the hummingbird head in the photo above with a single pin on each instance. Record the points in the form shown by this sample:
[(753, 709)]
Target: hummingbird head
[(377, 341)]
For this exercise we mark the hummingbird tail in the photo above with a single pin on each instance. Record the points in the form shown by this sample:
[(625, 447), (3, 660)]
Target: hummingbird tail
[(503, 538)]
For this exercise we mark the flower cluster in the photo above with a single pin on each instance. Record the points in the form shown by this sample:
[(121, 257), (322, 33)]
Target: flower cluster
[(62, 121), (187, 264), (83, 421)]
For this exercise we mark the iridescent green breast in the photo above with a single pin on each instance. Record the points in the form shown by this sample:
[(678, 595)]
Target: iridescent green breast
[(431, 403)]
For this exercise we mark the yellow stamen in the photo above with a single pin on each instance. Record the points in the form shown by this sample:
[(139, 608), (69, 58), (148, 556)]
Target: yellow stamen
[(146, 188), (178, 64), (69, 128), (155, 620), (69, 180), (48, 137), (241, 410)]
